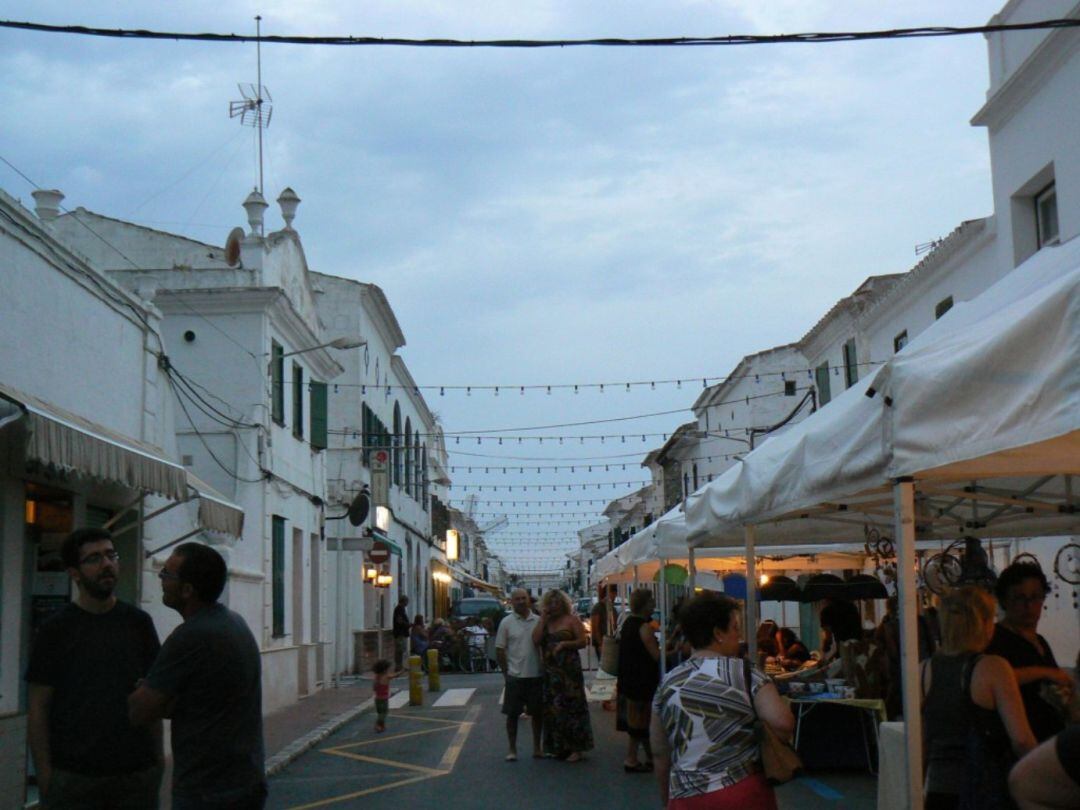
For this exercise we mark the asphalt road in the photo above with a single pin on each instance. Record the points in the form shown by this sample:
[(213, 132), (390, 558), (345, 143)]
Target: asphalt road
[(451, 756)]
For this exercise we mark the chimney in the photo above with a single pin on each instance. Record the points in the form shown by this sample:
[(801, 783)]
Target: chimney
[(47, 204), (288, 202), (255, 206)]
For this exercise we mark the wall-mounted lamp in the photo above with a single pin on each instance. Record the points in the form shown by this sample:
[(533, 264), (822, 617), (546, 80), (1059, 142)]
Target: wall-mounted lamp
[(369, 572), (442, 577), (451, 544), (336, 343), (383, 580)]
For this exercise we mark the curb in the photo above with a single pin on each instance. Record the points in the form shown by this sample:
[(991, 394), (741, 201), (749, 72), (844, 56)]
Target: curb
[(279, 761)]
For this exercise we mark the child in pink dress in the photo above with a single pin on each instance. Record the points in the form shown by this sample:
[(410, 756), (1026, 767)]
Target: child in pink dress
[(382, 693)]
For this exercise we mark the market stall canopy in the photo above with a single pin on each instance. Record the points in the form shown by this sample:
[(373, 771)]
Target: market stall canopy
[(780, 589), (991, 390)]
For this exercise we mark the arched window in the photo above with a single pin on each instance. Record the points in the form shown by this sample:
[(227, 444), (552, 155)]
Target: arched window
[(397, 444), (408, 455), (418, 468)]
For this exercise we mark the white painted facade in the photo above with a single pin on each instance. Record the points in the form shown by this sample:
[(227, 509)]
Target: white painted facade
[(73, 339), (221, 327), (377, 378)]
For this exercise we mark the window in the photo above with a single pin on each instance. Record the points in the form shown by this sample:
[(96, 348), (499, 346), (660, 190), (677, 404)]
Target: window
[(397, 444), (298, 400), (695, 478), (424, 477), (277, 382), (821, 378), (943, 306), (277, 576), (900, 341), (851, 364), (418, 468), (1046, 216), (318, 416), (790, 388), (408, 455)]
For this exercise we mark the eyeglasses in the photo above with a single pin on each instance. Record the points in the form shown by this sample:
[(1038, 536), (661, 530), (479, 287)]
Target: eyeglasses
[(98, 557), (164, 574)]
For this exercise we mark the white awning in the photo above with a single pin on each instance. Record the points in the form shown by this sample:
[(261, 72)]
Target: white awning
[(63, 439), (59, 438)]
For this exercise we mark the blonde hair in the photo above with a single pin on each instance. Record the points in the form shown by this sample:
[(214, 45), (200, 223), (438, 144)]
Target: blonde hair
[(550, 597), (964, 615)]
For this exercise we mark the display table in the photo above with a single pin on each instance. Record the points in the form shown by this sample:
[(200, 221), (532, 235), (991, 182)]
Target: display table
[(870, 713), (892, 777)]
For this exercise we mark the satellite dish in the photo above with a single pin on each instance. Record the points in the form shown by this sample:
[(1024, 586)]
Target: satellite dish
[(358, 509), (232, 247)]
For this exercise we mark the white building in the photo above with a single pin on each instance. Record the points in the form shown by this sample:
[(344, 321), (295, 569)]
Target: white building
[(86, 439), (247, 351), (376, 404)]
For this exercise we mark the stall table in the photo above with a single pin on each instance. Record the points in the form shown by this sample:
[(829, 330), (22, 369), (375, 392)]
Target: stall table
[(870, 711)]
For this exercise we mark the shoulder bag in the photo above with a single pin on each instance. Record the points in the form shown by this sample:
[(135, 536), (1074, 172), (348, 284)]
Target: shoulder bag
[(779, 760)]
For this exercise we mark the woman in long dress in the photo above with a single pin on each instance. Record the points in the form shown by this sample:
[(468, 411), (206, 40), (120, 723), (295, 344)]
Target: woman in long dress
[(560, 635)]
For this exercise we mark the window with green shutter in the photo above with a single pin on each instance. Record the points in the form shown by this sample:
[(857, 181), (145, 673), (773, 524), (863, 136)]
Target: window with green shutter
[(318, 415), (298, 400), (851, 364), (277, 576), (821, 377), (277, 382)]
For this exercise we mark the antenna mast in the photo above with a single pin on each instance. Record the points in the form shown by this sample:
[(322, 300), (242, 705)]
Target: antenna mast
[(256, 109)]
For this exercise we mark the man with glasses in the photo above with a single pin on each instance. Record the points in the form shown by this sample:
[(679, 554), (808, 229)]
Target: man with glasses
[(208, 680), (84, 663), (1021, 590)]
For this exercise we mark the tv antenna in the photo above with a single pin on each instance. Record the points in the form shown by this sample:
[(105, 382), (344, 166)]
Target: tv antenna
[(256, 109)]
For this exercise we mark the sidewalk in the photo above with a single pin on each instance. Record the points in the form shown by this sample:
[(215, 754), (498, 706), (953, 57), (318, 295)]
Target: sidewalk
[(291, 731)]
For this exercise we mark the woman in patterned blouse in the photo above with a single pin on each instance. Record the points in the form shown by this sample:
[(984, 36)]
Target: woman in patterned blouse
[(704, 740)]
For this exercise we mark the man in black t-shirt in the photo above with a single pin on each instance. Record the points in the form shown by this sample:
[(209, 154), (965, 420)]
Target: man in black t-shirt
[(401, 630), (208, 679), (84, 663)]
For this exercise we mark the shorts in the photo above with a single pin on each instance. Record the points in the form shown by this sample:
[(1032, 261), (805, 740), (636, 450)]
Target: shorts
[(382, 707), (523, 693), (1067, 746)]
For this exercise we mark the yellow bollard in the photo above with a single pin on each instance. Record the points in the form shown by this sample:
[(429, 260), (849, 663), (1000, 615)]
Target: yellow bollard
[(433, 670), (416, 682)]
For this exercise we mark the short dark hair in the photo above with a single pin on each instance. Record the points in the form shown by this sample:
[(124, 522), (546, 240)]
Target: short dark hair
[(841, 617), (69, 550), (1015, 574), (703, 614), (203, 568), (381, 666), (639, 598)]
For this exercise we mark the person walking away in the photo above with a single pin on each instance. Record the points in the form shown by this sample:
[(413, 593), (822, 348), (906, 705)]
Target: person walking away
[(401, 629), (963, 692), (519, 661), (84, 662), (704, 718), (381, 692), (1021, 590), (639, 675), (560, 636), (208, 679)]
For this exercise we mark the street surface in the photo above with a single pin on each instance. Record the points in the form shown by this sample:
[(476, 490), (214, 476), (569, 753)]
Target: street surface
[(448, 754)]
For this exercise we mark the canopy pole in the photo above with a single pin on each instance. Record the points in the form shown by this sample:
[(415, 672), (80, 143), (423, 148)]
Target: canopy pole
[(635, 577), (663, 617), (751, 594), (904, 503), (692, 582)]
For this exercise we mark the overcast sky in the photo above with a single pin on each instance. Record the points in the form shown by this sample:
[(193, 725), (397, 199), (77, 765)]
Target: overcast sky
[(535, 217)]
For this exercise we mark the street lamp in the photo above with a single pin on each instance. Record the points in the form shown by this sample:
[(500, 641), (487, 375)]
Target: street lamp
[(336, 343)]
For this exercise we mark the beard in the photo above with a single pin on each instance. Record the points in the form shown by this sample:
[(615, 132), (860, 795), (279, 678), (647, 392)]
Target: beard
[(101, 587)]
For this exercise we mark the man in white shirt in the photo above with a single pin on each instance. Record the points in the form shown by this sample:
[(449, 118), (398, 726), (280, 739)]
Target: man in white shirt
[(519, 660)]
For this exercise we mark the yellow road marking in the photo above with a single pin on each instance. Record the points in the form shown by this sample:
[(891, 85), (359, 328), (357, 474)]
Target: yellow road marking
[(401, 736), (359, 793), (446, 764)]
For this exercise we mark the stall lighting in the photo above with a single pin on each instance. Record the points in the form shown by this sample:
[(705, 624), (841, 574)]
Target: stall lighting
[(31, 512), (382, 518), (764, 579), (451, 544)]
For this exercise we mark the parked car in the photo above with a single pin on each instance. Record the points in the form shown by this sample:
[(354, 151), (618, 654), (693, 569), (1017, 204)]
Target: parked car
[(476, 606)]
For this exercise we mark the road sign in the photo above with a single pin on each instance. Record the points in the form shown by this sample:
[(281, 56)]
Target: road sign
[(349, 543), (379, 553), (380, 477)]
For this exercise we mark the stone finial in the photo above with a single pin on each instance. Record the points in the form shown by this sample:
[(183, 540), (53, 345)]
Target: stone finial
[(288, 200), (47, 203), (255, 206)]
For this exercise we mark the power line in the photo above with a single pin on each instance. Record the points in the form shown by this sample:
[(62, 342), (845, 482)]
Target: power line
[(813, 38)]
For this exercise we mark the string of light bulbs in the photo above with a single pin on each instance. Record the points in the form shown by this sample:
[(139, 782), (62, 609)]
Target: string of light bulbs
[(547, 487)]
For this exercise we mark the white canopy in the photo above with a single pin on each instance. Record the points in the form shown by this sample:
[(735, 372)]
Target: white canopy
[(990, 390)]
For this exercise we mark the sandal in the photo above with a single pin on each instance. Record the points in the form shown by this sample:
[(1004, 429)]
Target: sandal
[(640, 767)]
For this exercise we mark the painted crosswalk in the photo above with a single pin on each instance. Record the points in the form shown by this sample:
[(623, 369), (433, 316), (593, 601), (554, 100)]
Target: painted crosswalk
[(399, 699), (453, 697)]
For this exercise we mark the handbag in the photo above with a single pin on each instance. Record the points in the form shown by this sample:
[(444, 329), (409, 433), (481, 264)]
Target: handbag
[(988, 756), (779, 760)]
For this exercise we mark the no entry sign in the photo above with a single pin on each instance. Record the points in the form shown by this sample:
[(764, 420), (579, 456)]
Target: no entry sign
[(379, 553)]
